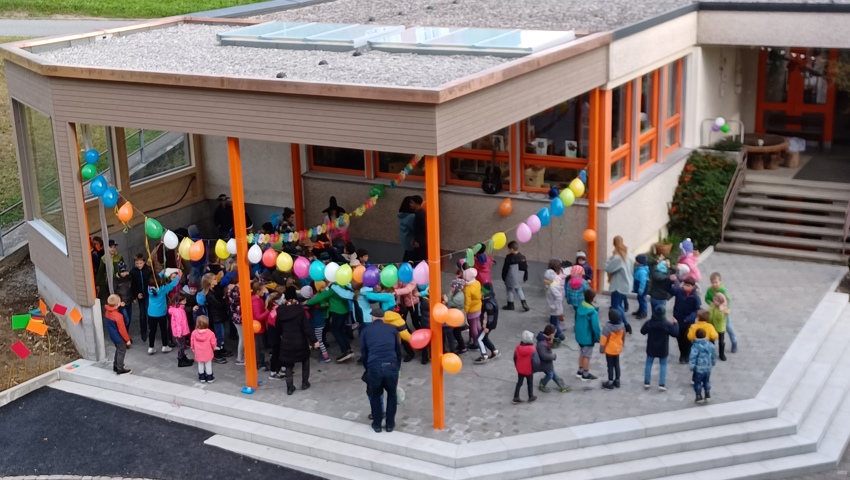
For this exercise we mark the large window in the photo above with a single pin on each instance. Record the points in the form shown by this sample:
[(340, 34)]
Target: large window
[(337, 160), (648, 117), (672, 74), (39, 156), (557, 144), (96, 137), (389, 165), (621, 111), (153, 153), (468, 164)]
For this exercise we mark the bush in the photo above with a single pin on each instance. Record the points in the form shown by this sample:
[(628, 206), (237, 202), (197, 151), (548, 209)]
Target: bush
[(727, 145), (697, 208)]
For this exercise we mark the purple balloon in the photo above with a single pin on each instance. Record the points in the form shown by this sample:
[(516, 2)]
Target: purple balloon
[(372, 276), (714, 127)]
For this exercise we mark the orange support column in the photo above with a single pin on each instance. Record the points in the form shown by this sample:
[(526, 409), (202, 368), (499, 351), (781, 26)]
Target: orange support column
[(297, 181), (240, 230), (432, 209), (600, 151)]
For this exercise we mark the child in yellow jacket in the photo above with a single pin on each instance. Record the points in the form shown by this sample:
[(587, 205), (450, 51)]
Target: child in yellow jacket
[(611, 344), (703, 323), (472, 305)]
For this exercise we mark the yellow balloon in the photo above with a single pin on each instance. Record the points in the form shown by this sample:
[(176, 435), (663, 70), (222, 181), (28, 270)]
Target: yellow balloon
[(284, 262), (184, 247), (499, 240), (344, 275), (577, 186), (221, 249)]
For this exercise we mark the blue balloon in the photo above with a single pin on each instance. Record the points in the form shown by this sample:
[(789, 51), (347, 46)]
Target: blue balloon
[(274, 218), (317, 271), (557, 207), (405, 273), (553, 192), (110, 197), (544, 217), (92, 156), (583, 176), (98, 185)]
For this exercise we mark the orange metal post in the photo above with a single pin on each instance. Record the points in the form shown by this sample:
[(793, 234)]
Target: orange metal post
[(595, 173), (240, 234), (432, 209), (296, 186)]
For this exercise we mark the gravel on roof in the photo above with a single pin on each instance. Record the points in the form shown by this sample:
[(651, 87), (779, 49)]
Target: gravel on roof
[(194, 49), (582, 15)]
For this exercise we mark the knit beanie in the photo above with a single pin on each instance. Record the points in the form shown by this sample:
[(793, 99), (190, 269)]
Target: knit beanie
[(687, 246), (659, 311), (527, 337), (683, 270), (457, 285), (614, 316), (577, 271), (641, 259), (307, 292), (549, 276), (581, 254), (469, 275)]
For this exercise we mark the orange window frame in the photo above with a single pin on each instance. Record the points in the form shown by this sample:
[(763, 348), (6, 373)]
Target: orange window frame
[(483, 156), (673, 121), (535, 160), (623, 152), (650, 136), (343, 171), (377, 173)]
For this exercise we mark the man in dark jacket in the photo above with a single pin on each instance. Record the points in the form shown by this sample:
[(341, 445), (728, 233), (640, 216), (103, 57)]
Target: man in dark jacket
[(380, 351), (292, 327), (420, 229), (684, 312), (223, 216), (659, 331), (139, 277)]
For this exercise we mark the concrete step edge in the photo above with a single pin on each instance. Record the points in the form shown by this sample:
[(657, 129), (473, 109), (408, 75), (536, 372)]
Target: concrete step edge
[(791, 204), (787, 253), (785, 215), (759, 224), (784, 240)]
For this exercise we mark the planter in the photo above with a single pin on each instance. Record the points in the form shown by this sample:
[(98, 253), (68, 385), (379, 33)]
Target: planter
[(663, 248)]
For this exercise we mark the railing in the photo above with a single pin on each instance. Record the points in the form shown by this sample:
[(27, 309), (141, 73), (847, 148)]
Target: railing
[(732, 193), (846, 227)]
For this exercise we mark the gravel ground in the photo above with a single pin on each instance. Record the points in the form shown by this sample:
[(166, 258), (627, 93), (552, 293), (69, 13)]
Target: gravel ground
[(194, 49), (588, 15)]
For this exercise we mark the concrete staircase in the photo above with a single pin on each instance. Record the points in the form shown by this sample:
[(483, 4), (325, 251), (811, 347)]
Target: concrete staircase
[(798, 423), (786, 218)]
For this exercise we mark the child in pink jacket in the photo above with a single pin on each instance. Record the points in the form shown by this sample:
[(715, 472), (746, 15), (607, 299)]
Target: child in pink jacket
[(408, 301), (203, 343), (180, 328), (690, 257)]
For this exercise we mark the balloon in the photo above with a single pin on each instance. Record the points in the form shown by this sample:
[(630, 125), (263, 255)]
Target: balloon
[(196, 251), (421, 274), (499, 240), (372, 276), (255, 254), (553, 192), (231, 246), (377, 191), (454, 318), (125, 213), (470, 257), (533, 223), (284, 262), (725, 128), (577, 186), (544, 217), (344, 275), (357, 275), (88, 172), (720, 121), (439, 312), (420, 338), (589, 235), (451, 363), (185, 246), (568, 197), (221, 249), (301, 267), (556, 206), (405, 273), (92, 156), (389, 276), (523, 233), (269, 257), (110, 197), (582, 175), (330, 272), (98, 186), (715, 128), (506, 207), (258, 327), (153, 228), (317, 271), (682, 270), (170, 240)]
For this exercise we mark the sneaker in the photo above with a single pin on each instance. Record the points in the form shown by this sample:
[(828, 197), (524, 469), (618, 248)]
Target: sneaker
[(219, 360), (516, 401), (325, 359), (123, 371), (662, 387), (481, 359), (210, 378), (734, 348), (646, 385), (275, 375), (240, 362), (166, 349), (588, 376), (202, 377), (609, 385), (707, 396), (151, 351), (532, 398), (699, 399), (579, 374), (494, 354), (344, 357), (617, 383)]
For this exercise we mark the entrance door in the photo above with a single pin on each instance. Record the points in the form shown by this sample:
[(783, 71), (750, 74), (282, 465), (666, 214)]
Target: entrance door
[(794, 92)]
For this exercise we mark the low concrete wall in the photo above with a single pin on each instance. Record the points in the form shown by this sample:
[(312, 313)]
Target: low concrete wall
[(86, 335)]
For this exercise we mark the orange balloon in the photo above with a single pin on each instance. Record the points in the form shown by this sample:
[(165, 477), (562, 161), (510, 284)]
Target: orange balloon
[(196, 251), (451, 363), (125, 213), (439, 312), (589, 235), (357, 275), (506, 207), (258, 327), (454, 318)]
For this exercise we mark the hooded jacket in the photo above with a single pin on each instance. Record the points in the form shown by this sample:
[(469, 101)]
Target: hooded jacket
[(710, 332), (687, 305), (115, 325), (613, 335), (587, 325), (394, 319), (483, 265), (620, 272), (407, 294), (703, 356), (203, 344), (522, 358), (658, 331), (544, 351), (659, 281), (337, 297), (139, 279), (514, 270), (641, 280), (693, 264), (296, 334), (718, 318), (179, 322), (472, 297), (157, 305), (405, 230), (555, 299)]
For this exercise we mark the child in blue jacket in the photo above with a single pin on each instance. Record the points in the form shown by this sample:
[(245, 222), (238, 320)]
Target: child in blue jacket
[(158, 310), (640, 284)]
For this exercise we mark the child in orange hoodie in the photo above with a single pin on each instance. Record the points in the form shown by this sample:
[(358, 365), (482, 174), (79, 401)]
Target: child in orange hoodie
[(611, 344), (117, 333)]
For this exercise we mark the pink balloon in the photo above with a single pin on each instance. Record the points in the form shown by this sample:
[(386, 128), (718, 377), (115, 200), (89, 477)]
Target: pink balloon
[(420, 338), (421, 274), (533, 223), (523, 233), (301, 267)]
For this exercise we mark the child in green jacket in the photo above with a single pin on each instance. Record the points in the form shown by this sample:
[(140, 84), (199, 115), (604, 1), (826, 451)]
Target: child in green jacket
[(587, 334)]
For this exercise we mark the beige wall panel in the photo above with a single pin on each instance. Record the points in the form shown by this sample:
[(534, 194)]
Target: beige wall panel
[(52, 261), (796, 29), (481, 113), (634, 52), (29, 88), (87, 335)]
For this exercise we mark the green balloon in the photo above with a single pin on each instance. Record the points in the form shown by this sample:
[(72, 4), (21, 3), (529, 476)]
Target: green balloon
[(89, 171), (389, 276), (153, 228), (377, 191), (568, 197), (725, 128)]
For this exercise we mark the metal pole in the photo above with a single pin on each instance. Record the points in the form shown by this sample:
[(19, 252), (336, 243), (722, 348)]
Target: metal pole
[(432, 212)]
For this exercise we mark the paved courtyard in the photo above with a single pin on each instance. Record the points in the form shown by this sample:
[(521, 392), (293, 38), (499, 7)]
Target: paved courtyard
[(771, 300)]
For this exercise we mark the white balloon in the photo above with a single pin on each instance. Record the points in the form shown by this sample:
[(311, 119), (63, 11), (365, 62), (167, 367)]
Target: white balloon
[(231, 246), (255, 254), (170, 240), (330, 271), (720, 121), (683, 270)]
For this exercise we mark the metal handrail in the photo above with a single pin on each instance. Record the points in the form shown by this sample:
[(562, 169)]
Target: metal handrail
[(732, 193)]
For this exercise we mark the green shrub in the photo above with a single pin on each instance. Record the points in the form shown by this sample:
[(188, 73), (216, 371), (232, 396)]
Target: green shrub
[(697, 208), (727, 145)]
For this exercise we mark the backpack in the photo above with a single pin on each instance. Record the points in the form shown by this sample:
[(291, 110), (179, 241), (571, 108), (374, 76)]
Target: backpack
[(492, 183), (535, 363), (491, 307)]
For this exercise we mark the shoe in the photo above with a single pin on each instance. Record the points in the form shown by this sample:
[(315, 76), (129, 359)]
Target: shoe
[(617, 383), (185, 362), (202, 377), (699, 399), (628, 329), (240, 363), (609, 385), (646, 386), (144, 338), (543, 388), (425, 357), (210, 378), (305, 385), (494, 354), (390, 429), (151, 351), (481, 359), (723, 358), (166, 349), (226, 353), (123, 371), (171, 344), (734, 348), (290, 389), (531, 399), (509, 306), (525, 306), (516, 401), (377, 429), (579, 373), (707, 396), (345, 356), (662, 387), (565, 389), (219, 360), (588, 376), (406, 358), (325, 359), (275, 376)]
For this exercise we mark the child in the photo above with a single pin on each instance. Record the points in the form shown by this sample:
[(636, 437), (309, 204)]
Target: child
[(157, 311), (139, 277), (472, 304), (611, 344), (641, 278), (234, 307), (523, 362), (363, 256), (658, 329), (690, 257), (203, 343), (338, 299), (117, 333), (717, 286), (587, 334), (555, 300), (702, 359), (317, 322), (123, 286), (483, 265), (684, 311), (514, 274), (456, 299), (659, 282), (180, 329), (581, 260), (576, 287), (547, 359), (718, 312), (703, 323), (489, 321)]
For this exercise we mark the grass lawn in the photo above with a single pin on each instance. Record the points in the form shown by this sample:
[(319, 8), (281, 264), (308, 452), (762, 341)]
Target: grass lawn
[(114, 8), (10, 185)]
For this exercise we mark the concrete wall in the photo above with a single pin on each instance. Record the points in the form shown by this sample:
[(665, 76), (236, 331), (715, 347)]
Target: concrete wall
[(800, 29), (648, 50), (88, 335)]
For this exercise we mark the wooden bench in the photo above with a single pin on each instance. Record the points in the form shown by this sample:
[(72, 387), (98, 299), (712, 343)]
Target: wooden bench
[(811, 127)]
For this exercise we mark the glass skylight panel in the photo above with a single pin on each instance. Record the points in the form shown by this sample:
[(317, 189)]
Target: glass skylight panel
[(255, 31), (471, 41), (299, 35)]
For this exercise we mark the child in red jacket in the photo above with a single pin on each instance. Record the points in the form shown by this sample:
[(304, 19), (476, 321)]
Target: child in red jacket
[(523, 356), (117, 333)]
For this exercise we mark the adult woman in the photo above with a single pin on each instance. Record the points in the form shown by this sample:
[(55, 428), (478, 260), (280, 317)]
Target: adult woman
[(296, 337), (620, 268), (406, 218)]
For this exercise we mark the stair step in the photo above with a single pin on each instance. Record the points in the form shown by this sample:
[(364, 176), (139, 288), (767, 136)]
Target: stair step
[(791, 216), (787, 253), (751, 224), (792, 204), (756, 178), (787, 191), (783, 240), (814, 425)]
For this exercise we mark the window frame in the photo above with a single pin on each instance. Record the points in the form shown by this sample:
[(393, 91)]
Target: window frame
[(375, 159), (650, 136), (673, 121), (503, 157), (341, 171), (624, 151), (189, 145)]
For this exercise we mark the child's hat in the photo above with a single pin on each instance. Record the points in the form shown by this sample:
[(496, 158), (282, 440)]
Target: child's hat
[(577, 271), (614, 316), (320, 285), (549, 275), (662, 267), (687, 246), (581, 254), (122, 267), (527, 337), (641, 259), (306, 292), (457, 285), (659, 311), (469, 275), (377, 312), (354, 262)]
